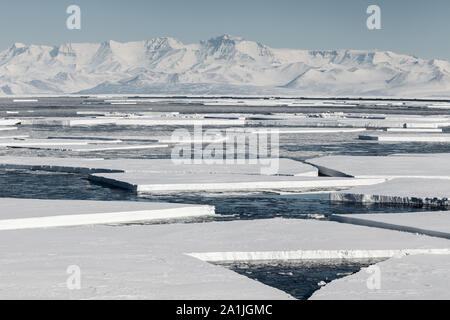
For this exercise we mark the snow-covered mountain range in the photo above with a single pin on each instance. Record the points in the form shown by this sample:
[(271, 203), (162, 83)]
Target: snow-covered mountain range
[(222, 65)]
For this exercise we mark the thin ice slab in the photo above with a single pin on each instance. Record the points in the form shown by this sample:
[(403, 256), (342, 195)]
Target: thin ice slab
[(157, 182), (9, 122), (411, 166), (305, 130), (90, 147), (402, 191), (76, 165), (36, 143), (18, 214), (435, 223), (8, 128), (435, 138)]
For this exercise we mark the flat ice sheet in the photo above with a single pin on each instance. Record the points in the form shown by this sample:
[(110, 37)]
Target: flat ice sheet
[(8, 128), (406, 191), (90, 147), (50, 142), (407, 187), (149, 262), (11, 208), (431, 165), (435, 221), (286, 166), (407, 138), (154, 182)]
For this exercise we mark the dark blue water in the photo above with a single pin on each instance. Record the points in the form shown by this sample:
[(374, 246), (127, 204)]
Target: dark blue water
[(300, 279), (229, 206)]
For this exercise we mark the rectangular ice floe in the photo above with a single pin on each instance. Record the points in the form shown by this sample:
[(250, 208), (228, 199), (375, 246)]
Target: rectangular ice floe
[(49, 142), (433, 223), (409, 130), (151, 261), (90, 147), (8, 128), (305, 130), (9, 122), (28, 214), (412, 166), (107, 138), (286, 167), (403, 191), (69, 121), (437, 138), (179, 122), (11, 137), (157, 182)]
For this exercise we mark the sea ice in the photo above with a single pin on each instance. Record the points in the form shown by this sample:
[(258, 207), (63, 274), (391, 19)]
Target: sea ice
[(161, 268), (30, 213)]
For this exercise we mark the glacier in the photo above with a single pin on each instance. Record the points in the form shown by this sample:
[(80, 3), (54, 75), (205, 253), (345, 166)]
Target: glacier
[(221, 65)]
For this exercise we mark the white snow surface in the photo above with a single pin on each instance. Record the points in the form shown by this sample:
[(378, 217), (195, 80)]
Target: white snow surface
[(395, 166), (156, 182), (404, 191), (33, 264), (420, 277), (16, 214), (287, 167), (437, 222)]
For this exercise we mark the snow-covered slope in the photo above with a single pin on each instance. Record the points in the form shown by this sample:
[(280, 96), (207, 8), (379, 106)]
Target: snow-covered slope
[(220, 65)]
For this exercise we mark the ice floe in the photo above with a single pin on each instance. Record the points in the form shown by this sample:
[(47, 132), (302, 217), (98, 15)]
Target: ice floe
[(403, 191), (287, 167), (158, 253), (434, 138), (433, 223), (18, 214), (8, 128), (157, 182), (406, 277), (395, 166)]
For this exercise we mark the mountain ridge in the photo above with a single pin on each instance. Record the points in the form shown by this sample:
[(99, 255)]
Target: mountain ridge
[(222, 65)]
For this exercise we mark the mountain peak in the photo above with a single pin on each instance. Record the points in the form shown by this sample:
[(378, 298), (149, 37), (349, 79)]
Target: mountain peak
[(18, 45), (225, 38)]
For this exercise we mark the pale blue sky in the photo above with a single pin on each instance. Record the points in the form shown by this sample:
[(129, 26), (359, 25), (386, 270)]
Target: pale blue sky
[(414, 27)]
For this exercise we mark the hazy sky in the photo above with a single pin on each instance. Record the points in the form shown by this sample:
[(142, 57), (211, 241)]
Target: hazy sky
[(420, 28)]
